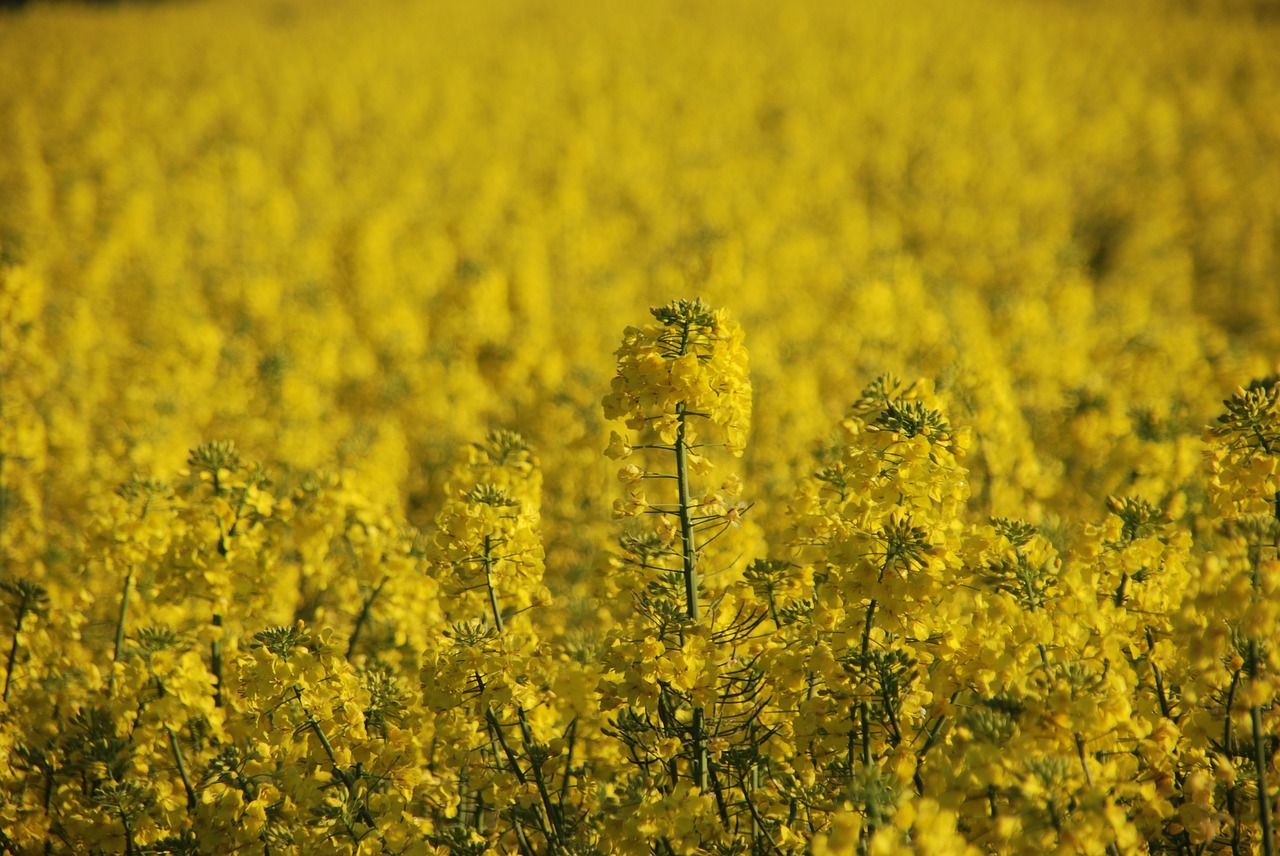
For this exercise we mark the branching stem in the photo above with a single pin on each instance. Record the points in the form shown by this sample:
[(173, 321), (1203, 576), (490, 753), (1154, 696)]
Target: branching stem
[(341, 775)]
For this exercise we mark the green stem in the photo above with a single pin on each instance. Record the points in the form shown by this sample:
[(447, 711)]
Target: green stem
[(1228, 739), (512, 763), (522, 838), (338, 772), (215, 662), (1259, 735), (29, 599), (545, 825), (700, 759), (1260, 764), (866, 659), (1112, 848), (863, 711), (182, 769), (688, 545), (129, 847), (864, 715), (13, 651), (365, 609), (759, 829), (1119, 597), (120, 625), (870, 829), (866, 629), (539, 780), (689, 548), (548, 818), (571, 735), (488, 581), (1165, 710)]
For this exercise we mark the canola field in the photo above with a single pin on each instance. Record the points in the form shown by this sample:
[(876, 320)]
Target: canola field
[(659, 428)]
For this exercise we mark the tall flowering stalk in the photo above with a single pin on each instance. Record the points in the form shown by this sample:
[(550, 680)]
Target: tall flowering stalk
[(684, 677), (1233, 615), (482, 679), (875, 536), (688, 369)]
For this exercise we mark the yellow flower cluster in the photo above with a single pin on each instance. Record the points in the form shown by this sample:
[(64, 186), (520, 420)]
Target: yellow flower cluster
[(692, 361), (487, 531), (272, 274)]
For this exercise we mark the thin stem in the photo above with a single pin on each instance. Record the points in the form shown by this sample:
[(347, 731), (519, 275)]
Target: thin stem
[(700, 759), (120, 624), (758, 827), (522, 838), (182, 769), (1235, 819), (215, 660), (870, 829), (1260, 763), (1112, 848), (895, 731), (365, 609), (548, 818), (496, 733), (688, 545), (553, 818), (863, 712), (1121, 590), (1084, 763), (1228, 739), (689, 549), (129, 847), (571, 734), (29, 598), (1259, 736), (314, 724), (866, 628), (487, 558), (1165, 710), (498, 738), (852, 745), (866, 735), (460, 821), (720, 805), (13, 651), (500, 735)]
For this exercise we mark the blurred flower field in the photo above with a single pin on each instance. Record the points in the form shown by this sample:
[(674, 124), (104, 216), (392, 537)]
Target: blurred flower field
[(573, 428)]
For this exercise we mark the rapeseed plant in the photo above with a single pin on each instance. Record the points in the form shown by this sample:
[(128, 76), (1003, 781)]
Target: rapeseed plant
[(264, 284)]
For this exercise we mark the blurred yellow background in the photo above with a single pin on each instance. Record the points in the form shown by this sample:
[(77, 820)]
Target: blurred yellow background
[(358, 234)]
